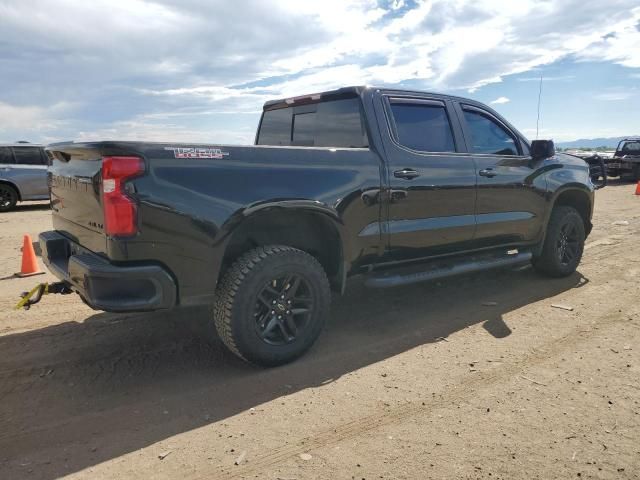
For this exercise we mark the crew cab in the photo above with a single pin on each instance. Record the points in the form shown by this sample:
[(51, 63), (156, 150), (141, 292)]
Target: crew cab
[(397, 186)]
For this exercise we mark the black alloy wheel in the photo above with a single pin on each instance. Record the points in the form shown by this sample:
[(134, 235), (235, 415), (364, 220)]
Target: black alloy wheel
[(272, 304), (563, 244), (8, 198), (568, 244), (283, 308)]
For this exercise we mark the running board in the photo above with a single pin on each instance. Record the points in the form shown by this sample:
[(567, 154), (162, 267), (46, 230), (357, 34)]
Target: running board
[(449, 269)]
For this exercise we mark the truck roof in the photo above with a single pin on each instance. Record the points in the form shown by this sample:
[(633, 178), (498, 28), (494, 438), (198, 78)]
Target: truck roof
[(21, 144), (355, 90)]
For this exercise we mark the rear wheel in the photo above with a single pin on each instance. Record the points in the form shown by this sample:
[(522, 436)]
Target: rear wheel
[(563, 244), (8, 197), (272, 304)]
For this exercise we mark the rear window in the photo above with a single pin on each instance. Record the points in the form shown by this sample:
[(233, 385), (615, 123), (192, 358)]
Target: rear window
[(423, 126), (275, 128), (29, 156), (334, 123), (6, 156)]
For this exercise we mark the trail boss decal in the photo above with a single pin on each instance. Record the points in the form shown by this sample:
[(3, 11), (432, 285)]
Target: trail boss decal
[(182, 152)]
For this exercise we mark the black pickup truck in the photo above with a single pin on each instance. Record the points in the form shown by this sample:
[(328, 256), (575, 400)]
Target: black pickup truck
[(399, 186), (626, 159)]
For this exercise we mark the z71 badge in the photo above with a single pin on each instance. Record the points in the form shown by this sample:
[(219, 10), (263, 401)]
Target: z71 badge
[(188, 152)]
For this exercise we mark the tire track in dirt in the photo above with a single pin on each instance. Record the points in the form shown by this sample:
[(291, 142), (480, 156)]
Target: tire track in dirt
[(132, 353), (396, 415)]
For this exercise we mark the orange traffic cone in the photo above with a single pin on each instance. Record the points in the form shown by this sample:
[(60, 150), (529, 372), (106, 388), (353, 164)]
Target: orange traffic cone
[(29, 261), (638, 189)]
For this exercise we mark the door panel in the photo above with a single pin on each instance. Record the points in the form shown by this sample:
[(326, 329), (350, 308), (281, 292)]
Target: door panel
[(30, 172), (432, 184), (510, 202)]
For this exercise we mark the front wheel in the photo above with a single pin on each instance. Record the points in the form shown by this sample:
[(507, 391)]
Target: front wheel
[(272, 304), (563, 244), (8, 197)]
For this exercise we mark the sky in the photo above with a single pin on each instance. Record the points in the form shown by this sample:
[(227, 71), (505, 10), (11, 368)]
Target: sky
[(200, 70)]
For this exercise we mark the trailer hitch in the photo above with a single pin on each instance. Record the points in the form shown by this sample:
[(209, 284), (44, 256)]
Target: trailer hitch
[(35, 294)]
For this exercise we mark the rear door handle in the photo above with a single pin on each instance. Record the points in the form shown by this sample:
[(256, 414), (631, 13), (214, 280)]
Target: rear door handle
[(487, 172), (406, 173)]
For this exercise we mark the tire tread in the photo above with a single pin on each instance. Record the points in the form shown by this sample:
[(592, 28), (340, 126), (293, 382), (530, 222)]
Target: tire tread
[(228, 289), (545, 263)]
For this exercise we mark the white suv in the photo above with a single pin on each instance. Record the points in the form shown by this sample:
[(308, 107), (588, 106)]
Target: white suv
[(23, 174)]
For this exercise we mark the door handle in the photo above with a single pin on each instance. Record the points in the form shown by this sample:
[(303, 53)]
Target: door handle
[(487, 172), (406, 173)]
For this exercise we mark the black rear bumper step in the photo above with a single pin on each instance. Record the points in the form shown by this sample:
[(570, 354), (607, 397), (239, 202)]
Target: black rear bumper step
[(104, 285), (449, 269)]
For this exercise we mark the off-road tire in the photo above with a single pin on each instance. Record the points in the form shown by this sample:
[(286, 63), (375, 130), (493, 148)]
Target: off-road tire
[(550, 261), (236, 298), (7, 192)]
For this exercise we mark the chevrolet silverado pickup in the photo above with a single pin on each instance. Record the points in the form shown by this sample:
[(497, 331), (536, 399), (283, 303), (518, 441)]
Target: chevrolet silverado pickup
[(397, 186)]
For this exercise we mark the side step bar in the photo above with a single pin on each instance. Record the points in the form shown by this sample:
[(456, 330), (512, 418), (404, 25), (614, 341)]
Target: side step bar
[(450, 269)]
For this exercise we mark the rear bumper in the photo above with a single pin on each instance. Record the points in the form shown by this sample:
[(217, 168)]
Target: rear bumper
[(103, 285)]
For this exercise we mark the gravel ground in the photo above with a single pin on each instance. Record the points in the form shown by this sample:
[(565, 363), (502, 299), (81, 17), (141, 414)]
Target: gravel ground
[(417, 382)]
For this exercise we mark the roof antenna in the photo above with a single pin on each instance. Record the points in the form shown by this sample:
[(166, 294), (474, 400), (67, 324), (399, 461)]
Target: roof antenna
[(539, 99)]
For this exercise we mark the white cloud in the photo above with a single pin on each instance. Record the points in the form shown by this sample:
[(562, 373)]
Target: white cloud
[(614, 96), (125, 65), (31, 118), (500, 100), (545, 79), (621, 45), (149, 129)]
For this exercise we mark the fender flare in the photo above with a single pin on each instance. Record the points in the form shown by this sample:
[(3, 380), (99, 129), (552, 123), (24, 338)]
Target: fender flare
[(331, 215), (570, 187)]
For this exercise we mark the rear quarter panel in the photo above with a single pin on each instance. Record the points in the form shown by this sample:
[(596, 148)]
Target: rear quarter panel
[(190, 207)]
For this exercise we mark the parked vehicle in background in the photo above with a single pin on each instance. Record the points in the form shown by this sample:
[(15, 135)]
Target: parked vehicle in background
[(23, 174), (400, 186), (626, 160), (596, 160)]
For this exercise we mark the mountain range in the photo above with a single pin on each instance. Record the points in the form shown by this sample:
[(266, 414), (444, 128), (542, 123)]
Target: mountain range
[(611, 142)]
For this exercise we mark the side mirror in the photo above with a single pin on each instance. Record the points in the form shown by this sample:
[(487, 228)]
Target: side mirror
[(541, 149)]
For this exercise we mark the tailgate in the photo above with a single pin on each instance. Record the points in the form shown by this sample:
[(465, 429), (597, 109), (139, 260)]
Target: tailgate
[(75, 179)]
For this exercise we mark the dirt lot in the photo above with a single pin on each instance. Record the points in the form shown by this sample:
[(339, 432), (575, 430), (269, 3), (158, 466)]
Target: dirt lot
[(417, 382)]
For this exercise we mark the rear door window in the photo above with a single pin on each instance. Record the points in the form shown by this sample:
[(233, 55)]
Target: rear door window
[(422, 125), (29, 156), (488, 136), (333, 123), (6, 156)]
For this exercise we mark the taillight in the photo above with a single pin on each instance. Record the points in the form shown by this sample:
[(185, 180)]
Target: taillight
[(119, 210)]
